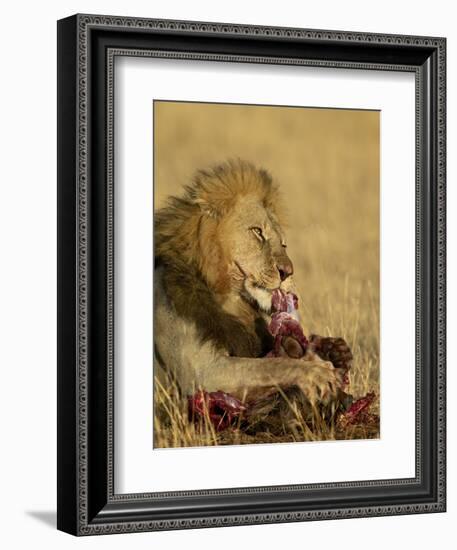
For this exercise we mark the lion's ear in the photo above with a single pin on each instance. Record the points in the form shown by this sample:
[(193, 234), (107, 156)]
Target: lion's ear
[(206, 208), (213, 207)]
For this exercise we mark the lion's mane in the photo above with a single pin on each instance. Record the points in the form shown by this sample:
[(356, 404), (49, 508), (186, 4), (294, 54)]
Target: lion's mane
[(193, 259)]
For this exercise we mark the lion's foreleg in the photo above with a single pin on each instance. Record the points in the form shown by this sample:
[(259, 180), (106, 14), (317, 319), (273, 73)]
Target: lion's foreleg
[(246, 378)]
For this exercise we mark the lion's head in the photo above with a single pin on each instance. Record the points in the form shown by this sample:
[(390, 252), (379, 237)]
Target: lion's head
[(228, 224)]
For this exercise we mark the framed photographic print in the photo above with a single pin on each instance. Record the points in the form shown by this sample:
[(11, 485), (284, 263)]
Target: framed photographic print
[(251, 274)]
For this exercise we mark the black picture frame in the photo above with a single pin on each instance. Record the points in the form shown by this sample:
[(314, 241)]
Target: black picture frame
[(87, 45)]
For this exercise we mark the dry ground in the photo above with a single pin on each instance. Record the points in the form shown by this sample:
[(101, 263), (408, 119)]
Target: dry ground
[(327, 163)]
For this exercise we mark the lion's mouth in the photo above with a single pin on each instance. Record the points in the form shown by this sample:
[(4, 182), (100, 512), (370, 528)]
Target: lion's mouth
[(254, 282), (261, 296), (255, 292)]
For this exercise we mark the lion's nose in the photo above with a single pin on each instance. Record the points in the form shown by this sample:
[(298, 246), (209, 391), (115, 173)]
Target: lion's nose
[(285, 269)]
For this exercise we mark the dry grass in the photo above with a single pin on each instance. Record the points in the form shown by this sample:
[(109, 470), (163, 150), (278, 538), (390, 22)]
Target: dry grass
[(327, 163)]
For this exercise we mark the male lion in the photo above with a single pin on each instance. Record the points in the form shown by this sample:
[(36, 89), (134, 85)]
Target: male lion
[(220, 252)]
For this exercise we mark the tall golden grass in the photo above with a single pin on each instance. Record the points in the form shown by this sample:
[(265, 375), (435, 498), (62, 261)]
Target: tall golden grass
[(327, 164)]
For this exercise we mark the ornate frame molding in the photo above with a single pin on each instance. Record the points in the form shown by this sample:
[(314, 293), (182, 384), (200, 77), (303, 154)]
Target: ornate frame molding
[(79, 512)]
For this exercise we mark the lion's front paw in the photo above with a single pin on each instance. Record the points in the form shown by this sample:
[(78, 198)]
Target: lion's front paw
[(322, 383), (335, 350)]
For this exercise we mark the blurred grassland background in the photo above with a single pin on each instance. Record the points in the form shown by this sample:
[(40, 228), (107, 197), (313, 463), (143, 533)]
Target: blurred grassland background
[(327, 164)]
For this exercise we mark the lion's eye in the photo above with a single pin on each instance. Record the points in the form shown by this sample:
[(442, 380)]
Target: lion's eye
[(258, 233)]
